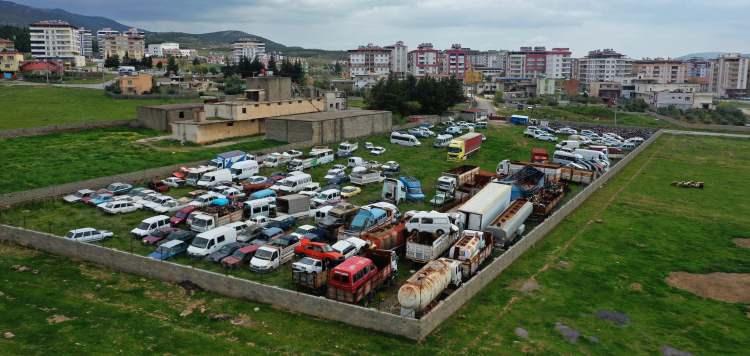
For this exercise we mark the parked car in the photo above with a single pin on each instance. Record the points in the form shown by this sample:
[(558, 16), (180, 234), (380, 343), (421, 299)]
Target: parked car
[(88, 234), (277, 176), (291, 154), (120, 207), (223, 252), (318, 250), (567, 131), (168, 250), (270, 233), (180, 235), (311, 233), (390, 168), (377, 150), (158, 186), (240, 256), (182, 215), (150, 225), (173, 182), (308, 265), (157, 236), (256, 183), (349, 247), (369, 145), (78, 196), (311, 189), (282, 222), (350, 191), (101, 198), (119, 188)]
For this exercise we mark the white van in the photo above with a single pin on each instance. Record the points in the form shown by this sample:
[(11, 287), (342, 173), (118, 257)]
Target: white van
[(346, 148), (403, 139), (326, 197), (259, 207), (592, 155), (442, 140), (568, 145), (244, 169), (323, 156), (355, 162), (293, 184), (429, 221), (322, 213), (210, 241), (212, 179), (150, 225), (563, 157)]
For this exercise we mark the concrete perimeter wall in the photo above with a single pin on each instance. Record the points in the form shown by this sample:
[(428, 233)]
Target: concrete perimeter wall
[(450, 305), (215, 282), (45, 130), (146, 175)]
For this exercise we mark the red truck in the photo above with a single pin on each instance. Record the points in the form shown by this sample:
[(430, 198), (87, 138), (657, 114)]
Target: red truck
[(357, 278), (539, 155)]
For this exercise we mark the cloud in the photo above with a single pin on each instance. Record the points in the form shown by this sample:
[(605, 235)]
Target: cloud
[(637, 27)]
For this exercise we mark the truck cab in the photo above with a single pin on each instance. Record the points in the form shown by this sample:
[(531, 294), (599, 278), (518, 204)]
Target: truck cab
[(357, 278), (346, 148)]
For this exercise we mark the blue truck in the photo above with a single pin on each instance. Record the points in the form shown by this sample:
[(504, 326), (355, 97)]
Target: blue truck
[(397, 190), (519, 120), (227, 159)]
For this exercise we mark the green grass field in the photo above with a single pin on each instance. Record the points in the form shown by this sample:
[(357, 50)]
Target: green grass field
[(612, 254), (33, 106), (593, 114), (39, 161)]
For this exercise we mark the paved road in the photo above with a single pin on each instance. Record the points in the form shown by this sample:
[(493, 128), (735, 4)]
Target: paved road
[(485, 104)]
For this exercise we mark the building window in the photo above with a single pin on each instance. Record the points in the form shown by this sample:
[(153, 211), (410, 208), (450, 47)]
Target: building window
[(230, 123), (182, 114), (244, 110)]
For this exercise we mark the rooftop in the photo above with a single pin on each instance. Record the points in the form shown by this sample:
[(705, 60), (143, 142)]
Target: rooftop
[(176, 106), (327, 115)]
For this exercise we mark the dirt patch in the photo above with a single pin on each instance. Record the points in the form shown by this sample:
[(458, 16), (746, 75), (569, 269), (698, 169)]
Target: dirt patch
[(58, 318), (636, 287), (96, 273), (199, 305), (526, 285), (725, 287), (744, 243), (16, 251)]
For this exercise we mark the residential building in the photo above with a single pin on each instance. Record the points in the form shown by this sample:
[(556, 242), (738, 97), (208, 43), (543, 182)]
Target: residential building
[(157, 49), (515, 67), (558, 64), (678, 99), (139, 84), (546, 86), (605, 90), (604, 65), (42, 67), (86, 39), (130, 43), (424, 61), (6, 44), (729, 75), (399, 58), (455, 61), (652, 85), (535, 61), (661, 70), (249, 48), (698, 72), (104, 33), (368, 64), (57, 40), (10, 61)]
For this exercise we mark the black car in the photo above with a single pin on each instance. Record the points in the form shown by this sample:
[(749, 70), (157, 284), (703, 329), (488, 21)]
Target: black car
[(224, 251), (181, 235)]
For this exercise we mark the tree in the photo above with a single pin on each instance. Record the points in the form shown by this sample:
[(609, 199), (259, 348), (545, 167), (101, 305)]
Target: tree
[(125, 60), (256, 67), (213, 70), (159, 65), (147, 62), (112, 61), (172, 66), (337, 68), (19, 35), (233, 85), (272, 64), (499, 97), (196, 61)]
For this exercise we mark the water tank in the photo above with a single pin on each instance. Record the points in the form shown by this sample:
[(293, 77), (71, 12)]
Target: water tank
[(426, 285)]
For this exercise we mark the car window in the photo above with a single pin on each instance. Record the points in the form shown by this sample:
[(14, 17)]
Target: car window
[(426, 220), (220, 239)]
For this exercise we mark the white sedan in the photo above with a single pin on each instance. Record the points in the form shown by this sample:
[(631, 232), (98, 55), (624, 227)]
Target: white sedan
[(546, 137), (88, 234), (377, 150), (567, 130), (173, 182), (120, 207)]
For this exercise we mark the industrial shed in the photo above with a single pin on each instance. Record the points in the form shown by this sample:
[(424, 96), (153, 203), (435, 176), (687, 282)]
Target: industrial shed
[(159, 117), (329, 126)]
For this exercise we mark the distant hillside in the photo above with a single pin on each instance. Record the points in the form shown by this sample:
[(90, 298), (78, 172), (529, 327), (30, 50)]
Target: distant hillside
[(706, 55), (222, 40), (21, 16)]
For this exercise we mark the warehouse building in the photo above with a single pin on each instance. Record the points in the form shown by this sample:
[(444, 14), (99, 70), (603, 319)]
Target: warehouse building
[(329, 126), (160, 117)]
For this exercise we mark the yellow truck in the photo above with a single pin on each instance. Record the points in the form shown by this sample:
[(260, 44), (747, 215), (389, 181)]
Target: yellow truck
[(461, 147)]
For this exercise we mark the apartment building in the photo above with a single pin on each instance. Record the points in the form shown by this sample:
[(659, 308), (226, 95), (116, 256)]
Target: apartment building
[(488, 61), (157, 49), (558, 64), (604, 65), (663, 71), (728, 76), (424, 61), (515, 66), (86, 39), (369, 60), (130, 43), (455, 61), (249, 48), (698, 72), (399, 58), (56, 40)]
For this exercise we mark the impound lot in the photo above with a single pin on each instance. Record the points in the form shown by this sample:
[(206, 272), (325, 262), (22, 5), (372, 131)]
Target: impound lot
[(612, 255)]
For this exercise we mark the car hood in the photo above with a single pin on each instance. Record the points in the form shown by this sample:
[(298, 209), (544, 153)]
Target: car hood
[(230, 260), (71, 198), (257, 262), (157, 256)]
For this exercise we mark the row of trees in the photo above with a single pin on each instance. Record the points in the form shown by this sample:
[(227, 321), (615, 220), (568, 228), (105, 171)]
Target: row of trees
[(19, 35), (411, 96), (247, 68)]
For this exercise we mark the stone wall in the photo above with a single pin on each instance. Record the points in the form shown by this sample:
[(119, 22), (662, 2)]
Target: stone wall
[(46, 130)]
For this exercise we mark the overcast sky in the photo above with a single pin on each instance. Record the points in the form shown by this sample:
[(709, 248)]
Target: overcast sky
[(638, 28)]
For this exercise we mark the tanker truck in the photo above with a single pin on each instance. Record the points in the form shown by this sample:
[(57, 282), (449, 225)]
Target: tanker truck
[(419, 292), (509, 226)]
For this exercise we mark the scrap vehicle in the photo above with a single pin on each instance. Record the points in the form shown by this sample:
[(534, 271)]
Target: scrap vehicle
[(211, 217), (227, 159), (275, 253), (509, 226), (359, 277), (402, 189), (525, 183), (479, 211), (310, 274), (471, 250), (421, 290), (425, 246)]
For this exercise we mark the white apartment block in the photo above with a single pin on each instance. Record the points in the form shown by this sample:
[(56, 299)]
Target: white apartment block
[(515, 66), (86, 39), (157, 49), (661, 70), (104, 33), (249, 48), (604, 66), (558, 64), (399, 58), (728, 75), (369, 60), (56, 39)]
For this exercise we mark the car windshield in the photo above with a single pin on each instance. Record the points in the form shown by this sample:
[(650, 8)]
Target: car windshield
[(70, 234), (200, 242), (264, 254), (238, 253), (307, 261), (200, 222), (163, 250), (348, 190), (327, 248), (454, 149), (144, 226), (415, 190), (287, 183), (360, 221)]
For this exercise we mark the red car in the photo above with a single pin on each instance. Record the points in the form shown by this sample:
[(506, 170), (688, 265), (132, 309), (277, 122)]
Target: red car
[(159, 186), (240, 256), (158, 235), (318, 250), (182, 215), (257, 183)]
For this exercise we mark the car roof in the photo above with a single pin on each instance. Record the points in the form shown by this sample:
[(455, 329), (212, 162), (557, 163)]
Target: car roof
[(172, 243), (83, 229), (353, 264), (155, 218)]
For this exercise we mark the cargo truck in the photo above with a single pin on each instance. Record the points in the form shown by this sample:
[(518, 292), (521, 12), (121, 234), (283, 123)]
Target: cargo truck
[(212, 217), (552, 171), (484, 207), (419, 292), (508, 227), (392, 237), (297, 205), (366, 177), (194, 174), (274, 254), (310, 274), (227, 159), (471, 251), (422, 246), (359, 277), (461, 147), (457, 177), (401, 189)]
